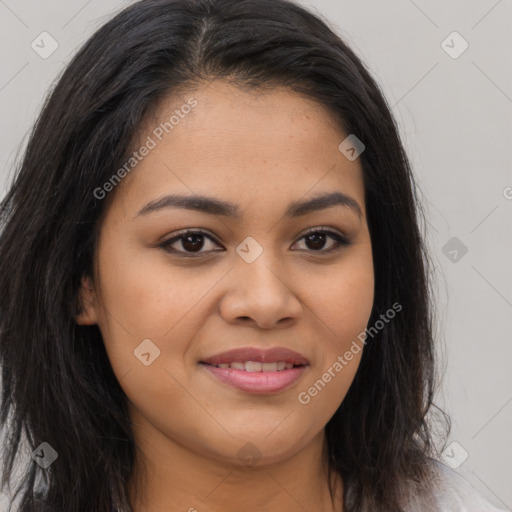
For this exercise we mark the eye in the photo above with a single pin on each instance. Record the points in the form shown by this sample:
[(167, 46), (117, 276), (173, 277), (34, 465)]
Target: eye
[(191, 242), (316, 238)]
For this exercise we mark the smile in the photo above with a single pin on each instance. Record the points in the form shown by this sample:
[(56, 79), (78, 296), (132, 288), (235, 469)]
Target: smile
[(257, 370)]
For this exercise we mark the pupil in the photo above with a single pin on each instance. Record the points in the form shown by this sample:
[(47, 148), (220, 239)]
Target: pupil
[(193, 245), (318, 240)]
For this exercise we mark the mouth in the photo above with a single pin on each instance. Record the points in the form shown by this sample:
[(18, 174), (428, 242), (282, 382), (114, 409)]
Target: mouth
[(257, 371)]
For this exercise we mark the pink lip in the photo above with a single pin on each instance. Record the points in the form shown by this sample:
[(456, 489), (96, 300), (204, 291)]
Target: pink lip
[(257, 382), (264, 382), (271, 355)]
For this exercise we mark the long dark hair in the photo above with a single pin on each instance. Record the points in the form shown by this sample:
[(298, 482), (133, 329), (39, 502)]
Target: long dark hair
[(58, 385)]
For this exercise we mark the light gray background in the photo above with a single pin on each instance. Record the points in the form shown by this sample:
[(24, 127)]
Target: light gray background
[(455, 120)]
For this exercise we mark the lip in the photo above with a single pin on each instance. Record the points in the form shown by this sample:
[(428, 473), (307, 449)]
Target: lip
[(264, 382), (259, 355)]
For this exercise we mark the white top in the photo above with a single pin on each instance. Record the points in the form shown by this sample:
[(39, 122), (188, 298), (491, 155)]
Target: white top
[(453, 493)]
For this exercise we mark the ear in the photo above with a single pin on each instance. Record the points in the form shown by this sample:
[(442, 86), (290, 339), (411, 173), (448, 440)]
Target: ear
[(87, 314)]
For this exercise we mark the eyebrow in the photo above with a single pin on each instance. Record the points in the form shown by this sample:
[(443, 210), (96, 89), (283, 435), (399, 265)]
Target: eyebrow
[(214, 206)]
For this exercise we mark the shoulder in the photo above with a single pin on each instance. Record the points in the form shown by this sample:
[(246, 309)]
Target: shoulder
[(450, 492)]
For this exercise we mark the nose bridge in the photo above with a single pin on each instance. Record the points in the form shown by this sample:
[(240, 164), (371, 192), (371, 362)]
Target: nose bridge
[(259, 268), (260, 289)]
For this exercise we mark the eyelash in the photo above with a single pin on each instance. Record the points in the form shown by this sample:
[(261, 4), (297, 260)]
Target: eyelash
[(340, 240)]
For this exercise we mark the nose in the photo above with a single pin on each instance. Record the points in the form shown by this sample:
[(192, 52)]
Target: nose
[(260, 294)]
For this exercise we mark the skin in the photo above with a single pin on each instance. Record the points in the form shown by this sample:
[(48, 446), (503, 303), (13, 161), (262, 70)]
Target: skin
[(260, 151)]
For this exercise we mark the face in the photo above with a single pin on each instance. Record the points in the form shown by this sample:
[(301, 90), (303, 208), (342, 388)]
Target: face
[(263, 264)]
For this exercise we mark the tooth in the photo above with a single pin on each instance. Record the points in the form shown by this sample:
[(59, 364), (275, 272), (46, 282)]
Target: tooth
[(256, 366), (252, 366)]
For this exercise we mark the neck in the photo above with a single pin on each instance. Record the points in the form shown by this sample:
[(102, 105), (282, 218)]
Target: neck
[(168, 476)]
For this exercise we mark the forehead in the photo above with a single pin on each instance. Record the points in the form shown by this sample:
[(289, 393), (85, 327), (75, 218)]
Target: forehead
[(243, 145)]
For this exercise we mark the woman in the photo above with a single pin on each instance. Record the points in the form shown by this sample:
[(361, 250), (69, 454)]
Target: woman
[(214, 289)]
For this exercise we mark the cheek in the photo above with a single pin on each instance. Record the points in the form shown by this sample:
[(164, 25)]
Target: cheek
[(145, 298), (344, 301), (144, 294), (324, 392), (342, 306)]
